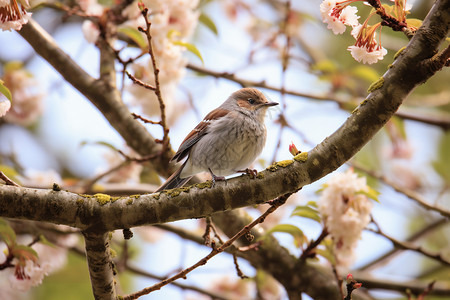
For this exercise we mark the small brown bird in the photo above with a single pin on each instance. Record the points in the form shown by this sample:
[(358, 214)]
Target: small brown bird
[(227, 141)]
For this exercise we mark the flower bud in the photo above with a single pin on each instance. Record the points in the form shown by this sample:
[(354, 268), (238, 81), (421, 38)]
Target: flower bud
[(293, 149)]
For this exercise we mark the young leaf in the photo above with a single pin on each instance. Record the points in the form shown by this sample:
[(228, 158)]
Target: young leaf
[(306, 212), (5, 91), (135, 35), (7, 234), (365, 73), (442, 164), (327, 250), (205, 20), (191, 48), (297, 233), (9, 172), (370, 193), (414, 22), (43, 240), (325, 253)]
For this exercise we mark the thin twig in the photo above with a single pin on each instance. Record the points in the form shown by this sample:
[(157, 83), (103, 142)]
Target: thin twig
[(7, 180), (418, 235), (407, 192), (140, 82), (207, 234), (162, 106), (409, 246), (274, 204), (145, 120), (238, 269), (308, 252)]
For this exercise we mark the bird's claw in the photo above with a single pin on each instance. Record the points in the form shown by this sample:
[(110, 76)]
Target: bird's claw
[(252, 172)]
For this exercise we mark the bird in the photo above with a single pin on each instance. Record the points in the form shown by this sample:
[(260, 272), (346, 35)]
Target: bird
[(226, 141)]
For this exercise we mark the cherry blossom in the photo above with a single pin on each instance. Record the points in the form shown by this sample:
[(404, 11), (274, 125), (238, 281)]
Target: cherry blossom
[(338, 14), (13, 15), (5, 105), (27, 103), (345, 210), (366, 55)]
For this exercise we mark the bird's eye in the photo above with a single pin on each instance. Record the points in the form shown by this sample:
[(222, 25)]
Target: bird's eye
[(251, 100)]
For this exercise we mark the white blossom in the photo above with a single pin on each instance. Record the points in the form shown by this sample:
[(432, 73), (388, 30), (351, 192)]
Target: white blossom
[(27, 105), (13, 15), (337, 16), (5, 105), (349, 17), (345, 212), (367, 56), (50, 259)]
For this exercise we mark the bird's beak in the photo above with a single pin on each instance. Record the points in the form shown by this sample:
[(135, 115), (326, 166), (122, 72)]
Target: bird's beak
[(270, 103)]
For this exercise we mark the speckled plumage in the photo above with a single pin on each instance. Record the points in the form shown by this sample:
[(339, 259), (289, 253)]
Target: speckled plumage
[(228, 139)]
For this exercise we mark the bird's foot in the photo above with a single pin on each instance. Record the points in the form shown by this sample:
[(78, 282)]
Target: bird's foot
[(252, 172), (216, 178)]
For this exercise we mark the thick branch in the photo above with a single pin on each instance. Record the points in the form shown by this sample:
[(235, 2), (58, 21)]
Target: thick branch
[(101, 267)]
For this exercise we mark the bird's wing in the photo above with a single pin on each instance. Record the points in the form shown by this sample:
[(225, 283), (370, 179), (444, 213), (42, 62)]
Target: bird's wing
[(197, 133)]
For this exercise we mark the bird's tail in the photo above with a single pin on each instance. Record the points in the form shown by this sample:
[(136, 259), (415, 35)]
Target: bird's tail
[(174, 181)]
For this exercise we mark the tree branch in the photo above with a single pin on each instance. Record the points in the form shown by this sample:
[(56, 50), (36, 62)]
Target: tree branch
[(201, 200), (100, 265)]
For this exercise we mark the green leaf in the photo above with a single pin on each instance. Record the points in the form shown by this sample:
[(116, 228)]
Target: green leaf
[(9, 172), (135, 35), (7, 234), (365, 73), (297, 233), (326, 66), (442, 164), (205, 20), (306, 212), (327, 254), (43, 240), (327, 251), (5, 91), (388, 8), (370, 193), (191, 48), (414, 22), (399, 125), (312, 204)]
